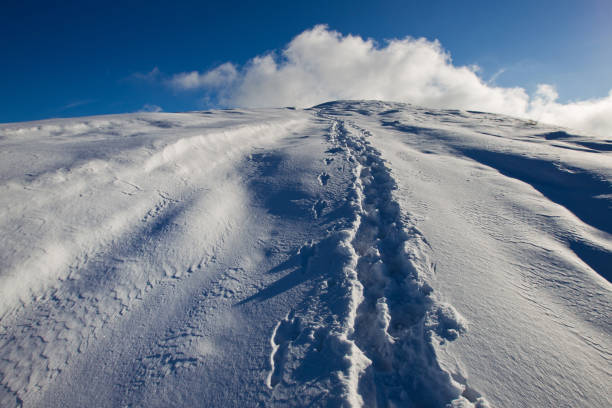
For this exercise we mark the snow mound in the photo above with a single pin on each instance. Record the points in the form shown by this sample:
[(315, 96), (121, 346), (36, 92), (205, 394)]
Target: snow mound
[(357, 253)]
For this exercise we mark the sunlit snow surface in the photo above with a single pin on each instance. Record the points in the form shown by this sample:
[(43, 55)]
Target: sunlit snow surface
[(352, 254)]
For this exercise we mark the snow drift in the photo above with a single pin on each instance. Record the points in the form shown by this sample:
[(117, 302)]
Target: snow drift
[(352, 254)]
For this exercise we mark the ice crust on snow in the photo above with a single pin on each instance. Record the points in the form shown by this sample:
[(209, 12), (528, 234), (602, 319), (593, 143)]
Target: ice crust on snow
[(357, 253)]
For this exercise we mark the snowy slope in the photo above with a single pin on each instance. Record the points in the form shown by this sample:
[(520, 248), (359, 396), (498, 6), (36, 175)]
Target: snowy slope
[(351, 254)]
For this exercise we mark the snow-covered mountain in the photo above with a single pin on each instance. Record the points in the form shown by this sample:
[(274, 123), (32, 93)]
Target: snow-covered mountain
[(352, 254)]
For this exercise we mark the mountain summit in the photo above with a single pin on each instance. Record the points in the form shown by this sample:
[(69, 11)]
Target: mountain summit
[(357, 253)]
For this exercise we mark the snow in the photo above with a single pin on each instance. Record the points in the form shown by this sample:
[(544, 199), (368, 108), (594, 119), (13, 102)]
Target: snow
[(358, 253)]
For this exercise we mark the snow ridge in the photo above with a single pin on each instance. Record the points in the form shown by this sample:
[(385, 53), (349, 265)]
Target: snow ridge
[(182, 158), (102, 277)]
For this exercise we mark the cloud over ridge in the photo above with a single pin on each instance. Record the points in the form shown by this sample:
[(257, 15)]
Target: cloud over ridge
[(320, 65)]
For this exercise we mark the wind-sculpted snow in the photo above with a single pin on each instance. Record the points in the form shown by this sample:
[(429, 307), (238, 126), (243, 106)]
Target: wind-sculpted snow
[(352, 254)]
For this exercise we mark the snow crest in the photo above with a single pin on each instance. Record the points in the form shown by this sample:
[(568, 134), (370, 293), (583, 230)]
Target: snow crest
[(57, 303)]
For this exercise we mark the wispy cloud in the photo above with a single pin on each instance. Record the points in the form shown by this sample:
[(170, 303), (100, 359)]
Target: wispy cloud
[(152, 76), (321, 65), (75, 104), (150, 108), (496, 75)]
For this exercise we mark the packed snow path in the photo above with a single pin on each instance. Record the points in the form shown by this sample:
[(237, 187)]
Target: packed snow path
[(353, 254)]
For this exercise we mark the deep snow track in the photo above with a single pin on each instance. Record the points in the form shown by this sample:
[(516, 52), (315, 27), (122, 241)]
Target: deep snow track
[(399, 316), (354, 254), (513, 249), (365, 335)]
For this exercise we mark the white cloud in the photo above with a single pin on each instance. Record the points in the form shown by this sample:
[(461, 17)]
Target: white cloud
[(593, 115), (221, 76), (321, 65)]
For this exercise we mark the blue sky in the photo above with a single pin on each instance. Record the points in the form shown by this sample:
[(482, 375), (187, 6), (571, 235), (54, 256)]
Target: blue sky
[(84, 58)]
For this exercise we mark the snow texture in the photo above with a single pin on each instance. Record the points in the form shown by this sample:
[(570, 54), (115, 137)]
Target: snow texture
[(357, 253)]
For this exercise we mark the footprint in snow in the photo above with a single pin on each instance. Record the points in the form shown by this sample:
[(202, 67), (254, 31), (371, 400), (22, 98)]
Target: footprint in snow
[(323, 178), (318, 208)]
